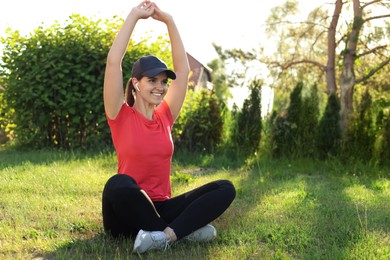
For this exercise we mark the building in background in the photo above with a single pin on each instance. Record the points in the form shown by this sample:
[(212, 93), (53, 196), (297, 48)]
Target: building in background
[(200, 75)]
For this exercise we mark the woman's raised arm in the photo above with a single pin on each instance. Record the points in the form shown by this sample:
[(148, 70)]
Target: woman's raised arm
[(178, 87), (113, 79)]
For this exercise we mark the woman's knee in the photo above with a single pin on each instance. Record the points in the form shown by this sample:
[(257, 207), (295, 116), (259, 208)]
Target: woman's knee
[(228, 188), (119, 181)]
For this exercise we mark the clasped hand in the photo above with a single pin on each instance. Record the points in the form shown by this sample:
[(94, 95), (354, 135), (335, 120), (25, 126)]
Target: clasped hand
[(148, 9)]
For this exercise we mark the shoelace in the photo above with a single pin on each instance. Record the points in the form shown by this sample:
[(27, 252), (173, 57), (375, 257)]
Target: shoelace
[(158, 237)]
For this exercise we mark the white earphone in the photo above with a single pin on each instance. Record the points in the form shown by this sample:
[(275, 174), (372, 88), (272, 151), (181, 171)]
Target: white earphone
[(137, 87)]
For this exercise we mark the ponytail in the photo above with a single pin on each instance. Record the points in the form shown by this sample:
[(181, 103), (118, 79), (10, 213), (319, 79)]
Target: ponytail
[(129, 95), (130, 92)]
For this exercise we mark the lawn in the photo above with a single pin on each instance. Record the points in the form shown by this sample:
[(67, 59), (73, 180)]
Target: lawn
[(305, 209)]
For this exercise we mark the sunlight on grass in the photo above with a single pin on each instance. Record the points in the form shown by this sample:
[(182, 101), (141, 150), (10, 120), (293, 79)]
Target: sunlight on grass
[(46, 203), (360, 194), (373, 245)]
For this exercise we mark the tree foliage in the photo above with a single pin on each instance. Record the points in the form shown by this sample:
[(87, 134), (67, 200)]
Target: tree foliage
[(323, 47), (220, 80)]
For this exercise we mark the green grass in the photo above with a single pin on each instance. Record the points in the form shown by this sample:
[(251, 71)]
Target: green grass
[(50, 208)]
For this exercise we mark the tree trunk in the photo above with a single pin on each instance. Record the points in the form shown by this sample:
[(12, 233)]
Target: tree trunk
[(347, 80), (330, 67), (347, 83)]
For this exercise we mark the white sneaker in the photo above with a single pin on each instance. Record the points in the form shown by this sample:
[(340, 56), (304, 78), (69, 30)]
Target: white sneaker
[(155, 240), (203, 234)]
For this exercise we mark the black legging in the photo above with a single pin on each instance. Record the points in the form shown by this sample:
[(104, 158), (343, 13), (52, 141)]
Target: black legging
[(126, 209)]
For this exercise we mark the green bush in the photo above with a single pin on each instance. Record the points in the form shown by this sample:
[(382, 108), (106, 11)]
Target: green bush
[(54, 81), (6, 125), (200, 124), (54, 84)]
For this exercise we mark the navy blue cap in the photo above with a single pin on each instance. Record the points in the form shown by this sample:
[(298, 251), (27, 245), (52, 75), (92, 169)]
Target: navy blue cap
[(150, 66)]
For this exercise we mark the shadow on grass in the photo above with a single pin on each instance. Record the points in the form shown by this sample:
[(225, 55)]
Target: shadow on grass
[(350, 218), (307, 211), (98, 247), (104, 247)]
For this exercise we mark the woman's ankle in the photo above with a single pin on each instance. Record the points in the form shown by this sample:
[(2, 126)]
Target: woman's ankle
[(170, 233)]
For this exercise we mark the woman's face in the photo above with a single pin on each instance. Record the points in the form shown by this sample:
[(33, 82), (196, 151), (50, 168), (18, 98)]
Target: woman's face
[(153, 89)]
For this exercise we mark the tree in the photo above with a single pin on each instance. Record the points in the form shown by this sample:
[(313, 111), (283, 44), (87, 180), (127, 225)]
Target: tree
[(246, 134), (232, 58), (311, 44), (309, 122), (219, 80)]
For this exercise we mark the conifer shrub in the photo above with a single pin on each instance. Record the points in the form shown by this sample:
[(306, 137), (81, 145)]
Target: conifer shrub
[(247, 122), (308, 126), (359, 139), (293, 131), (385, 147), (383, 137), (328, 138)]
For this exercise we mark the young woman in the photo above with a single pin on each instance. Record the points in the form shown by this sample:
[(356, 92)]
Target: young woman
[(137, 201)]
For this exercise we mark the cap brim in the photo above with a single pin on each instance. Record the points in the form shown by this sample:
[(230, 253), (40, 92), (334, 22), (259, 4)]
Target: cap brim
[(154, 72)]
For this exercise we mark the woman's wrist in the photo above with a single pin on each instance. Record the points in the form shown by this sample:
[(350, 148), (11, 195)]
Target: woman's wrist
[(169, 21), (134, 14)]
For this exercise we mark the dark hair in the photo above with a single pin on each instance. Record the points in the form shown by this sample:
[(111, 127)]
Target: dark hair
[(129, 91)]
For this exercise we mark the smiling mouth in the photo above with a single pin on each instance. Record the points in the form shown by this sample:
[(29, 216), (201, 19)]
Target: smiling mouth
[(157, 94)]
